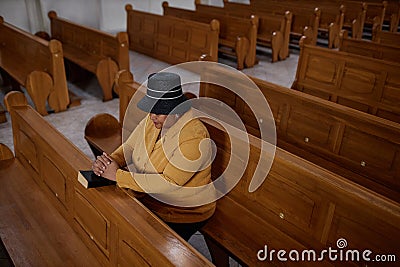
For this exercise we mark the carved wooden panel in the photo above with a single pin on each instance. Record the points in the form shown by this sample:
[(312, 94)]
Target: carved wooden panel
[(129, 256), (302, 129), (170, 39), (371, 155), (92, 222), (360, 82), (55, 179), (364, 228), (288, 201), (27, 148)]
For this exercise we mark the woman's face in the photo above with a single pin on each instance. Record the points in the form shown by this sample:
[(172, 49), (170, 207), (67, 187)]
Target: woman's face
[(160, 119)]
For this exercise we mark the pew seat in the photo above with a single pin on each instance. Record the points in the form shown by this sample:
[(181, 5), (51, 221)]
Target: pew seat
[(32, 230)]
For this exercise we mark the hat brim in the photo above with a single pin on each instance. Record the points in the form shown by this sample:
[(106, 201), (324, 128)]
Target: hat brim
[(165, 107)]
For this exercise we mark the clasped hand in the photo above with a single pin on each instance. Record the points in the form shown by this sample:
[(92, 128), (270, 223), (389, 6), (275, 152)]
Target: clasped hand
[(105, 166)]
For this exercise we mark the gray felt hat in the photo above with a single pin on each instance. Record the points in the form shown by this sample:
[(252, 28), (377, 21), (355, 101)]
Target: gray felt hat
[(164, 93)]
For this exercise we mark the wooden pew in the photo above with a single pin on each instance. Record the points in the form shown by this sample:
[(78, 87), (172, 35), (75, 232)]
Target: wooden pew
[(369, 48), (356, 145), (237, 36), (116, 228), (305, 21), (98, 52), (375, 15), (36, 64), (354, 17), (273, 30), (299, 206), (170, 39), (392, 15), (364, 83), (384, 37), (331, 22)]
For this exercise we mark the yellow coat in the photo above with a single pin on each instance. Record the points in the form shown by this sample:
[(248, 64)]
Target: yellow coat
[(163, 166)]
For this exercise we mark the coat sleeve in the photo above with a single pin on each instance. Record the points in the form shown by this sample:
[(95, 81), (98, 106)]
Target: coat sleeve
[(179, 170), (127, 148)]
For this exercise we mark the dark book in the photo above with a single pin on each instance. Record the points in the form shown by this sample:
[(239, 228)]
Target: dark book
[(89, 180)]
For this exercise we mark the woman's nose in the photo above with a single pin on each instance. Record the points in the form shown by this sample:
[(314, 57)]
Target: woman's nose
[(153, 116)]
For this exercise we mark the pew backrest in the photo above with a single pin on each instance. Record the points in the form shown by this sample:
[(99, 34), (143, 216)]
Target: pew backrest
[(369, 48), (362, 147), (36, 64), (385, 37), (364, 83), (305, 21), (232, 29), (170, 39), (270, 26)]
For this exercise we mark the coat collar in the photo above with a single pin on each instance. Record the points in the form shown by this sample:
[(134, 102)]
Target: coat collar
[(151, 134)]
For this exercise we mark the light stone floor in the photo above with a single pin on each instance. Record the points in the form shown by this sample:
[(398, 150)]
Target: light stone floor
[(72, 122)]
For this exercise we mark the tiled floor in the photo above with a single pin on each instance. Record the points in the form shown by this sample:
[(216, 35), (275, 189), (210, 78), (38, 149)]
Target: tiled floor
[(72, 122)]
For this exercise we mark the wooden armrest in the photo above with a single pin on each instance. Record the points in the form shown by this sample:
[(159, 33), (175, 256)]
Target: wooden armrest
[(14, 98)]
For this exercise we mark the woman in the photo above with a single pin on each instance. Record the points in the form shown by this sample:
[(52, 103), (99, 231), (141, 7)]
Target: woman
[(156, 149)]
